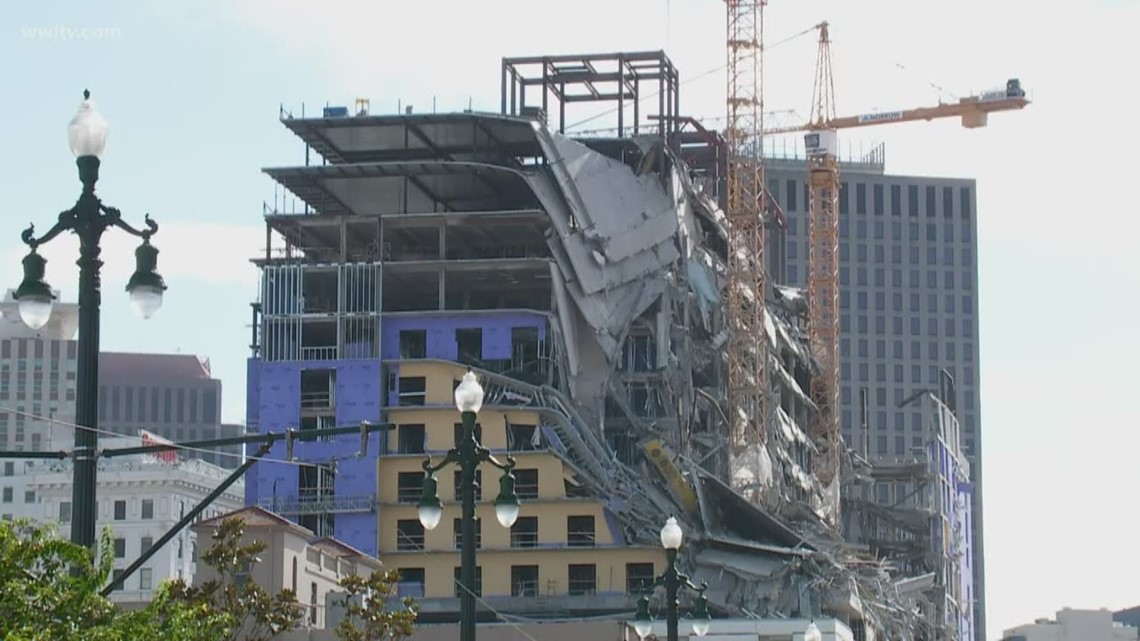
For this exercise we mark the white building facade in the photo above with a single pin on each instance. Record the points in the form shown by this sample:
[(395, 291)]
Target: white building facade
[(139, 499), (1074, 625)]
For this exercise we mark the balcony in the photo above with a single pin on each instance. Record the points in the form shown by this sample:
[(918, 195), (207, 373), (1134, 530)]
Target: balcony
[(319, 504)]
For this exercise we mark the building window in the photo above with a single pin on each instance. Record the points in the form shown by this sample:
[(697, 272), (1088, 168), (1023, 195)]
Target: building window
[(145, 578), (580, 531), (583, 578), (524, 580), (524, 533), (457, 529), (638, 577), (410, 439), (120, 510), (120, 548), (413, 343), (65, 512), (115, 576), (313, 603), (409, 535), (469, 345), (457, 433), (29, 496), (458, 476), (409, 486), (526, 483), (148, 508), (209, 405), (477, 589), (523, 437), (412, 390), (7, 494), (145, 544), (411, 583)]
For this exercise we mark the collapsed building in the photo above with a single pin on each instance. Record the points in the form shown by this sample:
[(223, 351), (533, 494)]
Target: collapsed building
[(583, 279)]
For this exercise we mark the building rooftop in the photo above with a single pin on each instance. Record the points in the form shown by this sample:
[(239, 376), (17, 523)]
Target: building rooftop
[(154, 368)]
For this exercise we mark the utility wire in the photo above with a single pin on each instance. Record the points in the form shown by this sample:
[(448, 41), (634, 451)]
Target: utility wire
[(176, 446)]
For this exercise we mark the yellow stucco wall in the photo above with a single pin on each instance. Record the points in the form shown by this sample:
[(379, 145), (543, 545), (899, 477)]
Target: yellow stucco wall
[(439, 558)]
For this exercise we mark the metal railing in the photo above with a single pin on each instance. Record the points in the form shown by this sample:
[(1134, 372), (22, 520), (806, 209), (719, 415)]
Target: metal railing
[(319, 504)]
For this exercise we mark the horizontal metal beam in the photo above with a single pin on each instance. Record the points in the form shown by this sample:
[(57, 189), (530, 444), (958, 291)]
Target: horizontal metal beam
[(301, 435), (33, 455)]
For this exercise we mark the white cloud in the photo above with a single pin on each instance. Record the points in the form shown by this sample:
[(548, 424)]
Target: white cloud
[(213, 253)]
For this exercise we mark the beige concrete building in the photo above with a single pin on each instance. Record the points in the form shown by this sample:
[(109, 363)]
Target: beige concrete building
[(293, 559), (1074, 625), (564, 553)]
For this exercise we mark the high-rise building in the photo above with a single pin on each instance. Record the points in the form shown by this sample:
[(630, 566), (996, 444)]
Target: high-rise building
[(908, 308), (37, 379), (37, 396), (172, 395)]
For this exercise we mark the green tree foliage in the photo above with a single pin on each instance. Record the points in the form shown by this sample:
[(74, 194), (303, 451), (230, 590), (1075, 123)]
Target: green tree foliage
[(367, 616), (251, 612), (49, 591)]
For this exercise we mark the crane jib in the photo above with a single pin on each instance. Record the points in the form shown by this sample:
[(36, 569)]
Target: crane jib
[(881, 117)]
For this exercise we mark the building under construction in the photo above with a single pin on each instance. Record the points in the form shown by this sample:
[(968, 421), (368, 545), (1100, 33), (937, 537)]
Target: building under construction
[(585, 279)]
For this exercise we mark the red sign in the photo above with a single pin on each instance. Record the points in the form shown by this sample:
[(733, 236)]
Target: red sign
[(150, 438)]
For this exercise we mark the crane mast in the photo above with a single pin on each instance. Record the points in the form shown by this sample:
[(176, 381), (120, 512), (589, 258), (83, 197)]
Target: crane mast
[(823, 263), (823, 226), (747, 350)]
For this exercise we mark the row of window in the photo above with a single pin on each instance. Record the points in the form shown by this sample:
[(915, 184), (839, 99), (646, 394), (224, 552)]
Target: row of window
[(949, 326), (969, 423), (876, 202), (948, 352), (411, 438), (900, 449), (37, 348), (580, 532), (915, 237), (877, 277), (878, 299), (16, 387), (409, 485), (148, 404), (582, 580), (145, 579), (877, 254), (863, 371), (879, 399)]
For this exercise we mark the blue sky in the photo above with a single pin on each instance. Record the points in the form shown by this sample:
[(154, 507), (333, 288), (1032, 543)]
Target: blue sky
[(192, 91)]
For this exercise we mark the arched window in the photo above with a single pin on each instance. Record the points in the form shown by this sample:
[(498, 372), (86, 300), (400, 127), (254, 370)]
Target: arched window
[(294, 576)]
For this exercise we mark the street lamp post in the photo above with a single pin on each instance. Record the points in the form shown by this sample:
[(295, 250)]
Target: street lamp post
[(673, 581), (88, 219), (468, 454)]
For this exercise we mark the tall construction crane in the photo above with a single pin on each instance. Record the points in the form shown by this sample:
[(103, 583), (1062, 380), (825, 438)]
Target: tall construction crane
[(747, 343), (821, 143)]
